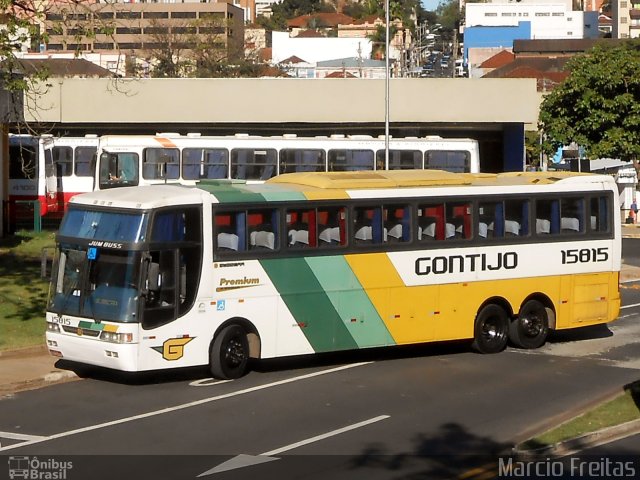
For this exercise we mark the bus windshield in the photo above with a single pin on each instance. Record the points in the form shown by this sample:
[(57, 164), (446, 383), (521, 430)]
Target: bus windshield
[(100, 285), (103, 225)]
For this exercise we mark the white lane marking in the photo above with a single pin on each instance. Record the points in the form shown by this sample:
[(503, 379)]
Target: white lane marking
[(630, 306), (207, 382), (317, 438), (244, 460), (183, 406), (20, 436)]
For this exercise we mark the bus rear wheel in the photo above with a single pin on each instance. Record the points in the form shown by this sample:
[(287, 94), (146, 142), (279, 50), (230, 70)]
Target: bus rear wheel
[(229, 353), (531, 327), (491, 330)]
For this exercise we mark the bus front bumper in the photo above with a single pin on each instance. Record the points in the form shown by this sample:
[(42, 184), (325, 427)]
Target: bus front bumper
[(90, 351)]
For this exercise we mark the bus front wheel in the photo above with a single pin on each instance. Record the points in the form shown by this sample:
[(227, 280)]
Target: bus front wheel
[(229, 353), (531, 327), (491, 330)]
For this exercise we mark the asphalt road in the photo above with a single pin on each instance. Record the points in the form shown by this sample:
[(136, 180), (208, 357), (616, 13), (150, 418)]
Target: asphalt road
[(434, 411)]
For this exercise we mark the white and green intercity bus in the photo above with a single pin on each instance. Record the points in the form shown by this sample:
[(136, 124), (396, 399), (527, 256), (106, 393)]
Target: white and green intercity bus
[(154, 277)]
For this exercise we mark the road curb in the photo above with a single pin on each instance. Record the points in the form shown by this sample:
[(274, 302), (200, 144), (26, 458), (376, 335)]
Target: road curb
[(577, 444), (32, 384)]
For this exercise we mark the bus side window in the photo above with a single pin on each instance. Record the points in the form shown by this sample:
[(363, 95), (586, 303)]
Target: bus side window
[(431, 224), (547, 216), (491, 219), (516, 217), (263, 229), (459, 221), (572, 215), (367, 225), (598, 215), (331, 226), (298, 228), (396, 223)]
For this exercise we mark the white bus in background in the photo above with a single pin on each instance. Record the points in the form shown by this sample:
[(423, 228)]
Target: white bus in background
[(150, 159), (46, 171)]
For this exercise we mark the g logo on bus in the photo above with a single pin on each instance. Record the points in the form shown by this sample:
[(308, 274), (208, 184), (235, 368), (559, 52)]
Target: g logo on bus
[(173, 349)]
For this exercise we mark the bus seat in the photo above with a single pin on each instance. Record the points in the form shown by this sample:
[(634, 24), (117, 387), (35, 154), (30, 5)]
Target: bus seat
[(330, 235), (228, 240), (450, 231), (298, 237), (543, 225), (262, 238), (570, 224), (364, 233), (512, 227), (395, 231), (483, 229), (429, 232)]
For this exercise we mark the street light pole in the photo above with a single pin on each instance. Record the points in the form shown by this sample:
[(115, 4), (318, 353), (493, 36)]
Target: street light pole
[(386, 89)]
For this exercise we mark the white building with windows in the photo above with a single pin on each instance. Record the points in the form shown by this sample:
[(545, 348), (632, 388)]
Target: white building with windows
[(551, 19)]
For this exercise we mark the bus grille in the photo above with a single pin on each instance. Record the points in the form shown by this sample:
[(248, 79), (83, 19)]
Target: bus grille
[(81, 332)]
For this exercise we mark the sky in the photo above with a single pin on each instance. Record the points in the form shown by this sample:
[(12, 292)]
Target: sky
[(430, 4)]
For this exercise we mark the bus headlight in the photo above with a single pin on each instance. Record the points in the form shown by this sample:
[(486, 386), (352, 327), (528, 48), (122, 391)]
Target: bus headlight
[(113, 337), (53, 327)]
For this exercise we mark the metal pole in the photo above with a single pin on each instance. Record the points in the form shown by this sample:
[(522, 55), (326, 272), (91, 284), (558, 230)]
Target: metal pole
[(386, 89)]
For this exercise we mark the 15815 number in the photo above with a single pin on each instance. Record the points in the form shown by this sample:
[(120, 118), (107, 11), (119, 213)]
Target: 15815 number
[(585, 255)]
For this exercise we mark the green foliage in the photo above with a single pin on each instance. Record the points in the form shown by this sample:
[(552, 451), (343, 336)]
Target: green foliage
[(598, 105), (22, 292)]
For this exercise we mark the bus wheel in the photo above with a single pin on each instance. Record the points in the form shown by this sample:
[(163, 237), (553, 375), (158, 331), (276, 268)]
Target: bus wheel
[(491, 330), (229, 353), (531, 327)]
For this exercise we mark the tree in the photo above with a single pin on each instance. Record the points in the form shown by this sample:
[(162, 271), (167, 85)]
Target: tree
[(598, 105)]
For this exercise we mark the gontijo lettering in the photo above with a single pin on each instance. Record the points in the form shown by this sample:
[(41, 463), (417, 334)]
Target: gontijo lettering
[(466, 263)]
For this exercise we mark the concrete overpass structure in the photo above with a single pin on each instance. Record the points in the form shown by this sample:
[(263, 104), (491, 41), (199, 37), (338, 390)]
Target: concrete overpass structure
[(493, 111)]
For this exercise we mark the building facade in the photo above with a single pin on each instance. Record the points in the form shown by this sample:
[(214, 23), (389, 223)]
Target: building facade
[(139, 27)]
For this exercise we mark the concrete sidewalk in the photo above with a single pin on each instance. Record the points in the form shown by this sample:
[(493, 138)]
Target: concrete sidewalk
[(29, 368)]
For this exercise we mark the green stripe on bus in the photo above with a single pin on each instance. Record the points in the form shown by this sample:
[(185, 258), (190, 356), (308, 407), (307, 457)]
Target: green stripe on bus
[(351, 301), (309, 304)]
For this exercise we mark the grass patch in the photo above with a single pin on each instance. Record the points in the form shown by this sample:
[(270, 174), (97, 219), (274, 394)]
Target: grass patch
[(23, 294), (622, 409)]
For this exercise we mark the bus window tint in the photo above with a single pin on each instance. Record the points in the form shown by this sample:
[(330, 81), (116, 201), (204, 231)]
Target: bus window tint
[(85, 162), (262, 228), (399, 159), (204, 163), (547, 216), (301, 160), (63, 160), (458, 220), (250, 164), (118, 168), (367, 225), (431, 225), (450, 160), (350, 160), (227, 231), (599, 218), (160, 163), (23, 162), (301, 227), (247, 230), (516, 217), (490, 219), (397, 221), (331, 226), (572, 215)]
